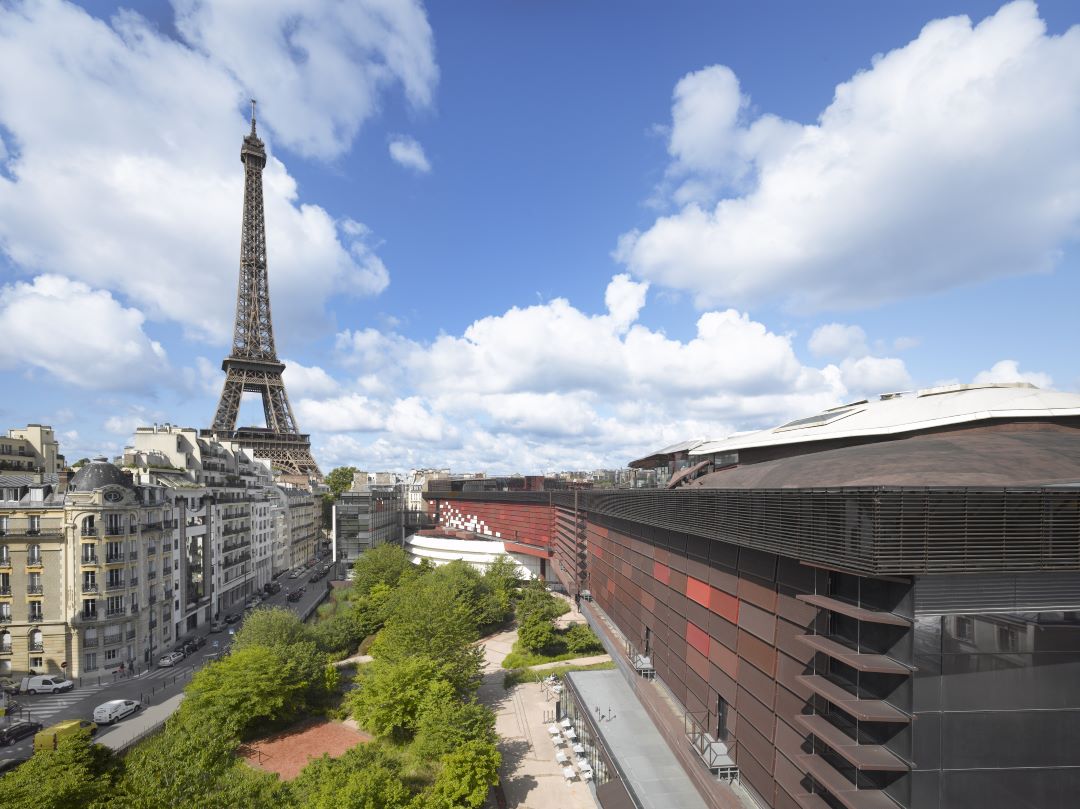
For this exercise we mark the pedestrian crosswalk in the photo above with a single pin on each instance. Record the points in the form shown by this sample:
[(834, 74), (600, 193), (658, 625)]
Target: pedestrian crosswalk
[(44, 708)]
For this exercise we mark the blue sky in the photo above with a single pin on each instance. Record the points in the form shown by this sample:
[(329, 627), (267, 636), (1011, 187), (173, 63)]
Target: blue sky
[(607, 226)]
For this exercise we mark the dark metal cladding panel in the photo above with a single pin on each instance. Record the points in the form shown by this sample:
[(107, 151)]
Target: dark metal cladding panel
[(761, 717), (878, 530), (761, 685), (1025, 592), (760, 747)]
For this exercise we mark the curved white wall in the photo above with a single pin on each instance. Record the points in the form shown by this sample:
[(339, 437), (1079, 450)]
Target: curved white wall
[(477, 552)]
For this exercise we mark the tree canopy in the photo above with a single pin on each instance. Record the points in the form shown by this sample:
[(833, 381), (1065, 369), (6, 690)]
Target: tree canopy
[(340, 479)]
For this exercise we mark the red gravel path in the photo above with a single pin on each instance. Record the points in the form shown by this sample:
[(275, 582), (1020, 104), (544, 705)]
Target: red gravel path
[(287, 753)]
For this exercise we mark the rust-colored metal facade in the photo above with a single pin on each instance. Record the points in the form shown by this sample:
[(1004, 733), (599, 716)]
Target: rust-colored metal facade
[(864, 648)]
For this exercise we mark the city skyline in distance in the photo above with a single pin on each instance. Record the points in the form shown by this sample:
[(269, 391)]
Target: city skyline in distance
[(557, 264)]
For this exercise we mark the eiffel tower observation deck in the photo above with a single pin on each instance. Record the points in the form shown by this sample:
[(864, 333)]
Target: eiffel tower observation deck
[(253, 365)]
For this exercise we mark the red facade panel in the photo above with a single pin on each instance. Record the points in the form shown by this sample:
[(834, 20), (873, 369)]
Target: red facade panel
[(723, 604), (698, 638), (697, 590), (661, 572)]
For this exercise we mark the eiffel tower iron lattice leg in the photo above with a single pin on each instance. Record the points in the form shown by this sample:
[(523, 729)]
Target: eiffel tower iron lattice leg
[(253, 365)]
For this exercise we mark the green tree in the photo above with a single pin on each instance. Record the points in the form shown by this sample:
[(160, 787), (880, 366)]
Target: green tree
[(389, 697), (446, 722), (427, 620), (340, 479), (364, 777), (466, 777), (253, 685), (275, 626), (76, 773), (535, 600), (502, 579), (537, 633), (384, 564), (579, 639)]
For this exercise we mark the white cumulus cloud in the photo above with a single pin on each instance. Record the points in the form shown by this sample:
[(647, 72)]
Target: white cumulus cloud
[(143, 173), (318, 67), (408, 152), (82, 336), (953, 159), (1009, 371)]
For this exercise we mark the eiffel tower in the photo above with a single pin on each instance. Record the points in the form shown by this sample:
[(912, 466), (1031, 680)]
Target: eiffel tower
[(253, 366)]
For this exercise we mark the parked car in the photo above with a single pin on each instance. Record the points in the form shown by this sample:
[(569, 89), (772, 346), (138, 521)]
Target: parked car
[(199, 641), (314, 577), (217, 626), (252, 603), (295, 595), (232, 618), (47, 739), (8, 685), (295, 574), (10, 708), (18, 730), (46, 684), (171, 659), (114, 710), (189, 648), (272, 587), (8, 764)]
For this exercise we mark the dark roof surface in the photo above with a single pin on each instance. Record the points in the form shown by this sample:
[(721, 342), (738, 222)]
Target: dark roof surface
[(96, 474), (1014, 454)]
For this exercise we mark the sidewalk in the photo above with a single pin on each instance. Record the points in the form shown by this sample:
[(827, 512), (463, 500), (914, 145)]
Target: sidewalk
[(529, 776), (135, 728)]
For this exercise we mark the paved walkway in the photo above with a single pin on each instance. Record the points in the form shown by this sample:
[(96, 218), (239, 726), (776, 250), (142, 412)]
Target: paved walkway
[(577, 661), (137, 726), (529, 775)]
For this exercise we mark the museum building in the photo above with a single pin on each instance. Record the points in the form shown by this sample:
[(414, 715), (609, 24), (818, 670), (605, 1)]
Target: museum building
[(877, 606)]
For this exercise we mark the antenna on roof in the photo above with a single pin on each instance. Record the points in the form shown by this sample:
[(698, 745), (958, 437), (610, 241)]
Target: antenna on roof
[(253, 116)]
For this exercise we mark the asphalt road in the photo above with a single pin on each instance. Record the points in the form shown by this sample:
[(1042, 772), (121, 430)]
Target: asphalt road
[(150, 687)]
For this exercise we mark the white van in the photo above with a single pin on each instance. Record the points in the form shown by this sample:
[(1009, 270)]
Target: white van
[(114, 710), (45, 683)]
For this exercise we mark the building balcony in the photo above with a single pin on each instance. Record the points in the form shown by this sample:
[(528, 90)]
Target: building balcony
[(5, 591), (89, 532), (90, 587), (134, 582), (5, 562), (112, 640), (153, 526), (131, 634), (115, 585), (151, 574), (151, 550), (115, 530), (153, 623), (90, 560), (35, 617), (115, 558), (133, 555), (236, 560), (153, 598), (91, 643), (5, 649), (88, 617), (33, 561), (113, 613), (35, 589), (36, 646)]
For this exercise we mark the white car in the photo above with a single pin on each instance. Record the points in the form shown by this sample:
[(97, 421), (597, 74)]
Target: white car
[(46, 683), (114, 710), (171, 659)]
